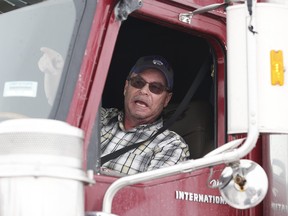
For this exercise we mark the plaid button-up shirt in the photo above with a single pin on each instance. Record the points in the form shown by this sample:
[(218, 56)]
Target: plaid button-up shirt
[(167, 149)]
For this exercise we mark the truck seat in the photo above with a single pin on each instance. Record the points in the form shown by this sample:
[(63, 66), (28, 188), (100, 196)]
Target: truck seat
[(195, 125)]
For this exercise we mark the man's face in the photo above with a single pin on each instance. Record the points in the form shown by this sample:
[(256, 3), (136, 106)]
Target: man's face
[(141, 105)]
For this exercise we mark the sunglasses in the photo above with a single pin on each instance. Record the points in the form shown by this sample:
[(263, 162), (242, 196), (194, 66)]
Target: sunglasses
[(154, 87)]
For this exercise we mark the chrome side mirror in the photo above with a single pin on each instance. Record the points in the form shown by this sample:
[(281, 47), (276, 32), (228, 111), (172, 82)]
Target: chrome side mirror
[(244, 184)]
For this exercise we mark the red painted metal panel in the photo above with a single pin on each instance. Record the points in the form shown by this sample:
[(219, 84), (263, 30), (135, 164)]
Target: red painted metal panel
[(94, 70), (161, 12), (90, 61), (183, 194), (202, 3)]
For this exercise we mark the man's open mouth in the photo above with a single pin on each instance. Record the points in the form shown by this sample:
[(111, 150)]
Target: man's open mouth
[(141, 103)]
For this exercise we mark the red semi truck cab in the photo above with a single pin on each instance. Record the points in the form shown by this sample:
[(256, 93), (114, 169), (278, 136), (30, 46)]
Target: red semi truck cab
[(61, 60)]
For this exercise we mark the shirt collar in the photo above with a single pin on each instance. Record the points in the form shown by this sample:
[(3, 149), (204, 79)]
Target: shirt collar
[(154, 126)]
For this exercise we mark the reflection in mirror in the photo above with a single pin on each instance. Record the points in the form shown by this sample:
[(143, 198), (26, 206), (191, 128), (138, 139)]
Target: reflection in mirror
[(51, 64)]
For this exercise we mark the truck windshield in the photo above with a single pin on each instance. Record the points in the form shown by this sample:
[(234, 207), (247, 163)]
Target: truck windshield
[(34, 45)]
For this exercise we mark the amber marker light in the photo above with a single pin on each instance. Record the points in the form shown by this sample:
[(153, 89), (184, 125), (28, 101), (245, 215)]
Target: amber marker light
[(277, 69)]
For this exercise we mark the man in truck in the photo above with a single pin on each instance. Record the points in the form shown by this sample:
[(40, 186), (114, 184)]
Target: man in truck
[(147, 91)]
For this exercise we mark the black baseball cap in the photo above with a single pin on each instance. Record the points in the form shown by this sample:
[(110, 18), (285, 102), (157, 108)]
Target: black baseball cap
[(157, 62)]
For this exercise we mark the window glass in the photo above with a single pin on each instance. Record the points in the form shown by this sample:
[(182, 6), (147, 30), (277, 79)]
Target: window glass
[(34, 44), (9, 5)]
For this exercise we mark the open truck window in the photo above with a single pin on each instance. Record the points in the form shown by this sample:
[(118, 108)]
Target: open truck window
[(186, 53)]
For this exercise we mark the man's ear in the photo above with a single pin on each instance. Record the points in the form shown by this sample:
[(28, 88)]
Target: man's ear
[(125, 87), (167, 99)]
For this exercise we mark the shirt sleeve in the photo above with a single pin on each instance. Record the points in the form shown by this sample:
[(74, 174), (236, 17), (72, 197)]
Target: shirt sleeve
[(169, 152), (107, 114)]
